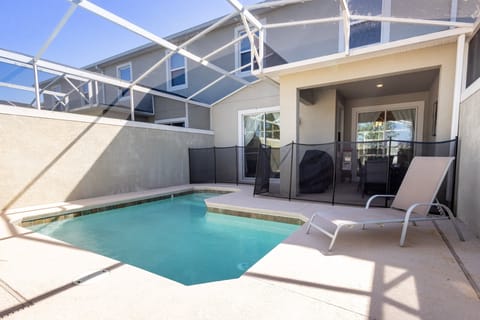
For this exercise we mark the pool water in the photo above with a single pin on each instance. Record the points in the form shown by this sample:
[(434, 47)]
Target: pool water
[(175, 238)]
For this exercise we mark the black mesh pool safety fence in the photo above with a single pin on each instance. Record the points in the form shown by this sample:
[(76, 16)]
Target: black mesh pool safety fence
[(337, 173), (228, 164)]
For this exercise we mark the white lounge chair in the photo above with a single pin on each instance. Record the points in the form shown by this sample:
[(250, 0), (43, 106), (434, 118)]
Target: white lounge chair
[(412, 203)]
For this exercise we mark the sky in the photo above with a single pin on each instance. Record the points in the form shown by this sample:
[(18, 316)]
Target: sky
[(86, 38)]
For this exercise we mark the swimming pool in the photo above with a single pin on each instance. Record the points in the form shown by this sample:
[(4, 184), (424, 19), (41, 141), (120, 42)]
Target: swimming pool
[(175, 238)]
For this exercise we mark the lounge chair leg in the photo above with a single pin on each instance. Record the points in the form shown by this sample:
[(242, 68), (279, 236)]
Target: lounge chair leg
[(405, 226), (310, 223), (332, 243), (452, 219)]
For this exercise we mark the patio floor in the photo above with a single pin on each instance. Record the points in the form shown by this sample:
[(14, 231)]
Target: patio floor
[(367, 276)]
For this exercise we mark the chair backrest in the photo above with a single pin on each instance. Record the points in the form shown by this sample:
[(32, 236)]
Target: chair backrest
[(422, 182)]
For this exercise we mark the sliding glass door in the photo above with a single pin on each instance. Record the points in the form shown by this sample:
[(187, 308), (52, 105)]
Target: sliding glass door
[(257, 128), (376, 125)]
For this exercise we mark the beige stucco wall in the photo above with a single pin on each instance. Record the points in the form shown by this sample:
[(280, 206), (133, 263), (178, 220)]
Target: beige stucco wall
[(468, 178), (199, 117), (168, 109), (225, 114), (439, 56), (54, 157), (317, 121)]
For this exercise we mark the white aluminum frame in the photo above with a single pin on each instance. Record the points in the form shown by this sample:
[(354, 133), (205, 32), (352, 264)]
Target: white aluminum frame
[(87, 5), (213, 27), (251, 25), (57, 30), (238, 53), (25, 88), (82, 74), (247, 18)]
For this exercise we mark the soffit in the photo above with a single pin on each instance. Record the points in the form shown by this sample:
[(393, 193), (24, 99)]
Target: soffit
[(392, 85)]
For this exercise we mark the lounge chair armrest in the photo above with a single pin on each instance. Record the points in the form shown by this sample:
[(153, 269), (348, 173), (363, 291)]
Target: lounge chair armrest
[(424, 204), (378, 196)]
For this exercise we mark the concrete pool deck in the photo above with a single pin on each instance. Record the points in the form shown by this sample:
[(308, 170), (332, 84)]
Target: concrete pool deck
[(367, 276)]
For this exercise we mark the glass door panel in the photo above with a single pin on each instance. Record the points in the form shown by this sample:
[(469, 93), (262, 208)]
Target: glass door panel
[(260, 128), (372, 127), (253, 129), (370, 130)]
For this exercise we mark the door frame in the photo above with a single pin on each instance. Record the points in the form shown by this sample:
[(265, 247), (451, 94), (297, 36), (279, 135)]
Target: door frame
[(419, 106), (241, 133)]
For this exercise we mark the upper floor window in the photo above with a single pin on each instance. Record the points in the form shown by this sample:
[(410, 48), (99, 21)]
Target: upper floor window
[(365, 32), (124, 72), (473, 68), (243, 55), (177, 72)]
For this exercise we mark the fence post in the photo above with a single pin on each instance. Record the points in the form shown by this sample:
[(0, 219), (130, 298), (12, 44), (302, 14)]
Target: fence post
[(236, 165), (291, 172), (335, 160), (190, 165), (454, 184), (388, 169), (214, 166)]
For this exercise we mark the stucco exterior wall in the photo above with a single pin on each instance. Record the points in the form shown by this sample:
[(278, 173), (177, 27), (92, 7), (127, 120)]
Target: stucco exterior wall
[(439, 56), (199, 117), (468, 177), (169, 109), (54, 157), (225, 113), (317, 121)]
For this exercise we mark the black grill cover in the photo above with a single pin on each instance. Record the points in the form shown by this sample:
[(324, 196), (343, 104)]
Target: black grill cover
[(316, 172)]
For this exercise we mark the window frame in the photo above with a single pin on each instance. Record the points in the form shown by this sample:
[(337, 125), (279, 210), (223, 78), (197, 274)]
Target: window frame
[(173, 121), (120, 90), (238, 47), (170, 70), (242, 113)]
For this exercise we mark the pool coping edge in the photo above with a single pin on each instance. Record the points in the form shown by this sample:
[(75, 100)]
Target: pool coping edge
[(26, 219)]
